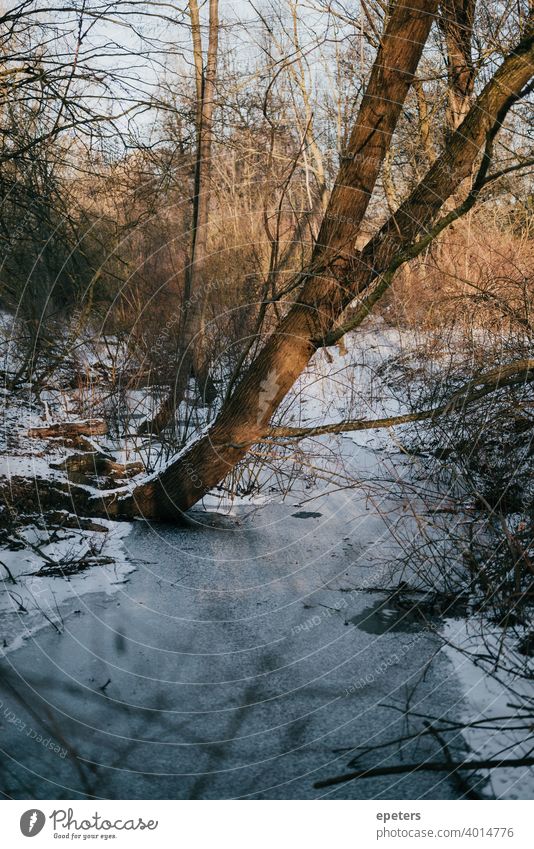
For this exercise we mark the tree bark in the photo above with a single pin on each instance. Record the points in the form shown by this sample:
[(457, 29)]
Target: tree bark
[(337, 274), (456, 21), (195, 292), (245, 415), (193, 356)]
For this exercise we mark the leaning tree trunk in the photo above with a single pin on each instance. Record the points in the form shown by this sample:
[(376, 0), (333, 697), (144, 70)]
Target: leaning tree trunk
[(337, 273), (244, 417)]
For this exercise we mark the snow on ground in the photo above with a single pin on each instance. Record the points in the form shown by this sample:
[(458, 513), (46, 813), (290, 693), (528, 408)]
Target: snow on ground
[(30, 599), (240, 660), (493, 699), (355, 389)]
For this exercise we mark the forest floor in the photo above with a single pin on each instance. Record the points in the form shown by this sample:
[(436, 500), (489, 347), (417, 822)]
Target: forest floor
[(253, 651)]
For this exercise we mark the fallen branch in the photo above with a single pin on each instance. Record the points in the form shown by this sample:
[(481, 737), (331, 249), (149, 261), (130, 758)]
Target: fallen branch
[(9, 573), (499, 378), (426, 766), (95, 463), (70, 429)]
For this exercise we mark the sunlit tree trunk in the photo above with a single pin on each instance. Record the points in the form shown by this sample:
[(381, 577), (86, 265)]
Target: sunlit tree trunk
[(337, 273), (456, 21), (193, 355)]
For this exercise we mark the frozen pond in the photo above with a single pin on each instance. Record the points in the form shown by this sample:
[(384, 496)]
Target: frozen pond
[(245, 657)]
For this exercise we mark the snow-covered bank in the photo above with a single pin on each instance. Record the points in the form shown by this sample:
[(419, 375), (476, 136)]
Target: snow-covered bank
[(291, 584), (494, 708), (31, 599)]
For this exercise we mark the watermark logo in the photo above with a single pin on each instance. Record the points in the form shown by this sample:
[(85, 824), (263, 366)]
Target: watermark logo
[(268, 389), (32, 822)]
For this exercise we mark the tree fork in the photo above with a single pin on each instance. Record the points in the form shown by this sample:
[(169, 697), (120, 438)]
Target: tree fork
[(336, 275), (245, 416)]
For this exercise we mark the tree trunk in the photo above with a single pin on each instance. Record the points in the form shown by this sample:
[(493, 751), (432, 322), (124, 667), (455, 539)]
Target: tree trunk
[(195, 292), (456, 21), (245, 415), (193, 357), (337, 274)]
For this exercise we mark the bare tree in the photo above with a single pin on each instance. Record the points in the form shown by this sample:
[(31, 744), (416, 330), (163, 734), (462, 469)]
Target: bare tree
[(456, 21), (338, 275), (193, 354)]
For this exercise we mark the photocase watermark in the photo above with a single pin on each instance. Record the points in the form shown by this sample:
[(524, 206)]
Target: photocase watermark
[(17, 722), (65, 820), (32, 822), (317, 618), (174, 321), (392, 660), (268, 389), (356, 156), (66, 826), (194, 477)]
